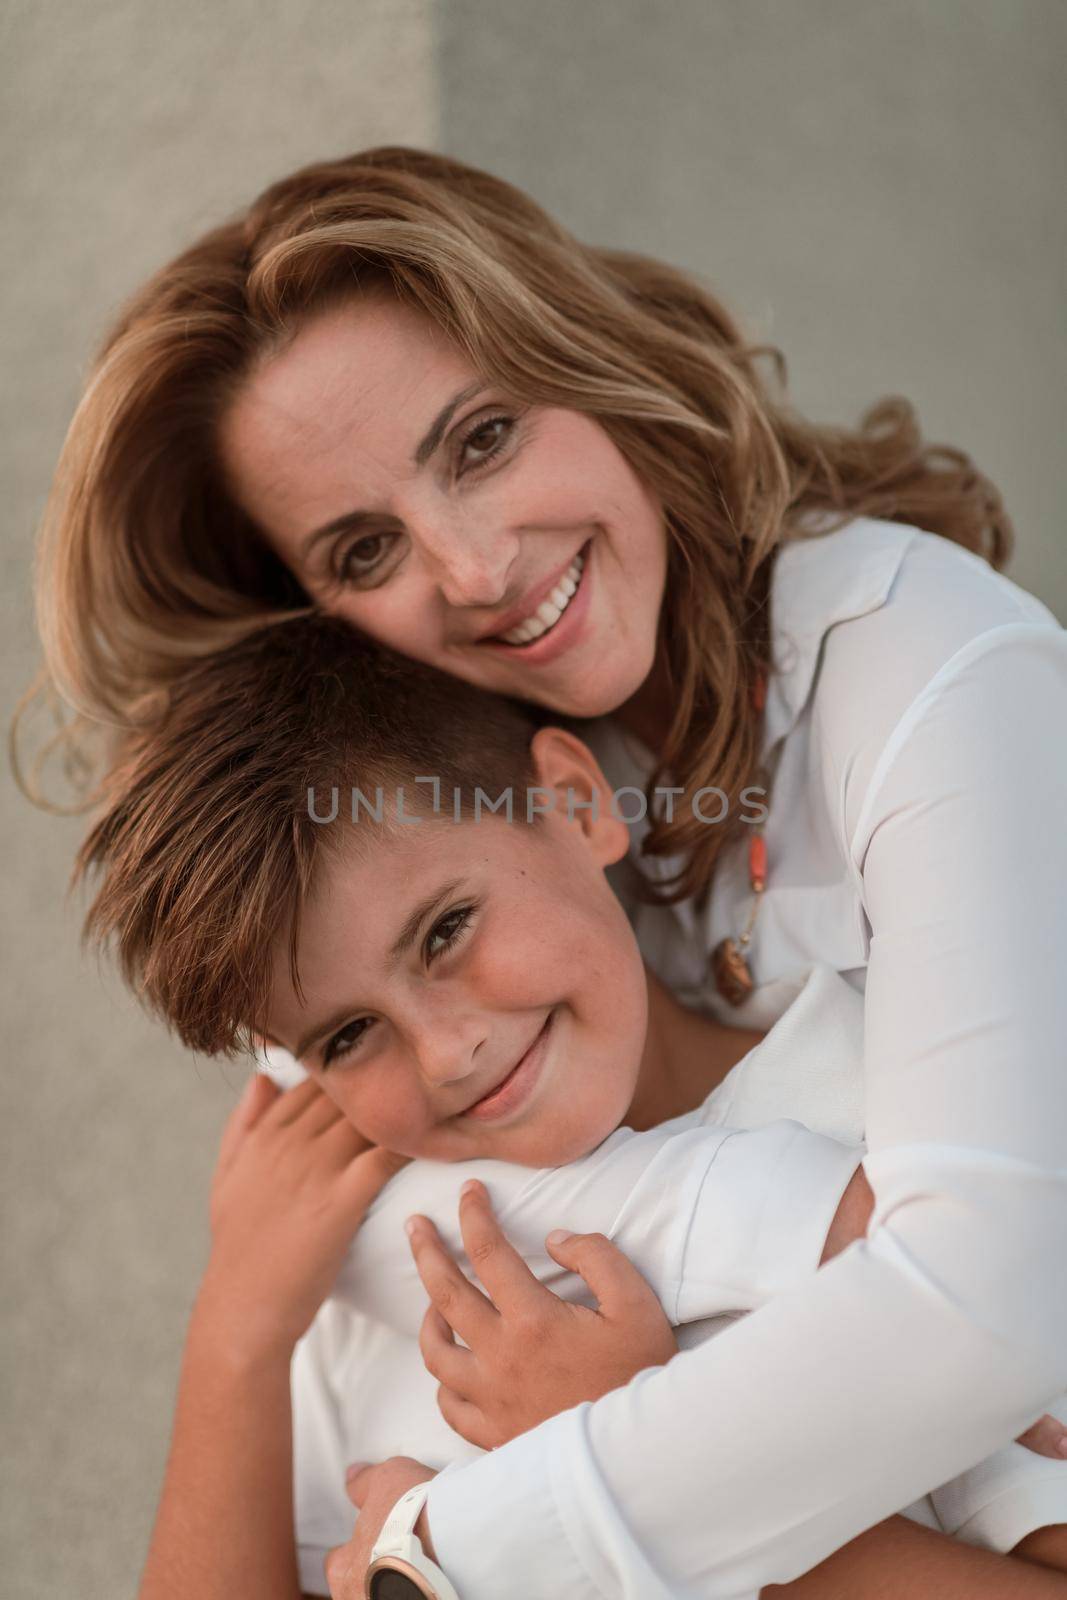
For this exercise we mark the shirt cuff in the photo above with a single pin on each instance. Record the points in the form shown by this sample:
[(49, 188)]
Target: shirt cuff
[(1003, 1521), (1009, 1494), (497, 1516), (563, 1533), (764, 1211)]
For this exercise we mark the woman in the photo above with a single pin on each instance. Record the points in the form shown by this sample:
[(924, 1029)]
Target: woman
[(394, 388)]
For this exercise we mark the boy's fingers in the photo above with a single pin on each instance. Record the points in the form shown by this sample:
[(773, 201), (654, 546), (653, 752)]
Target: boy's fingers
[(391, 1478), (1047, 1437), (258, 1094), (500, 1267), (292, 1103), (338, 1568), (339, 1135), (463, 1306), (463, 1417), (322, 1117), (618, 1286), (442, 1357)]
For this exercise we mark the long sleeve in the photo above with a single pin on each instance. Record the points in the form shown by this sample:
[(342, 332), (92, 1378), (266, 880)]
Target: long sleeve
[(1011, 1493), (933, 1342)]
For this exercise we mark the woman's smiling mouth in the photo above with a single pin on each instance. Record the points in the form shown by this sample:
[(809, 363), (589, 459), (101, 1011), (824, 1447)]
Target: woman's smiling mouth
[(549, 611), (553, 623)]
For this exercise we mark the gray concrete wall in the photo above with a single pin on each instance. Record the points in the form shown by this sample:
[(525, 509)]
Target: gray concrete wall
[(870, 185), (128, 127)]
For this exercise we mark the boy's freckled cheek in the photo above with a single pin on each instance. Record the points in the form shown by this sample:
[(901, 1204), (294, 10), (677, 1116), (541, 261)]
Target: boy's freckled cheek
[(369, 1104)]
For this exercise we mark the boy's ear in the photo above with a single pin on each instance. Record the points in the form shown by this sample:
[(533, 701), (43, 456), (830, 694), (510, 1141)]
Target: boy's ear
[(566, 766)]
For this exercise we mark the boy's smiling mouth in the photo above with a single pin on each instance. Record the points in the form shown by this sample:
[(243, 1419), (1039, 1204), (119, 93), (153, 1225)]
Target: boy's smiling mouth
[(514, 1090)]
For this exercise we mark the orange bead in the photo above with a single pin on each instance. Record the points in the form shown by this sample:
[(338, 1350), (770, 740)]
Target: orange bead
[(757, 862)]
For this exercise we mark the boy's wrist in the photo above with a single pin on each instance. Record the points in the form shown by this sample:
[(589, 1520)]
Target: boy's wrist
[(242, 1333)]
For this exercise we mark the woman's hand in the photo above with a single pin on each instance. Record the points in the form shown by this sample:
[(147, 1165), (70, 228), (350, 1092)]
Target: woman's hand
[(292, 1184), (530, 1354), (374, 1491)]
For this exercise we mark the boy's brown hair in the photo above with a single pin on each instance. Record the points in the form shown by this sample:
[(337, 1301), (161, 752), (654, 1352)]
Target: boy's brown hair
[(206, 845)]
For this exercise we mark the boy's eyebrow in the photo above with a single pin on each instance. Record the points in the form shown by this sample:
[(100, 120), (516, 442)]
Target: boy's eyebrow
[(425, 909), (351, 520), (403, 942)]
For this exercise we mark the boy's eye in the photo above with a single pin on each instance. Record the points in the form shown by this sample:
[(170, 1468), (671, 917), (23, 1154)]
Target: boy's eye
[(345, 1039), (445, 932)]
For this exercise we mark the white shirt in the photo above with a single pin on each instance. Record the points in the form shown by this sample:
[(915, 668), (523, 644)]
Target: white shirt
[(917, 844), (717, 1221)]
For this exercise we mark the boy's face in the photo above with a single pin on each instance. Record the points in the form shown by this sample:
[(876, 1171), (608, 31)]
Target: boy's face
[(474, 988)]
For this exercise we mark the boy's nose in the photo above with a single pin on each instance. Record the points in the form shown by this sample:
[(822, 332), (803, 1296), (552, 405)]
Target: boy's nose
[(448, 1054)]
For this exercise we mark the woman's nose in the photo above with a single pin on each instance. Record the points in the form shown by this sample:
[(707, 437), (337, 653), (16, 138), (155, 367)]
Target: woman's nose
[(469, 556), (472, 578)]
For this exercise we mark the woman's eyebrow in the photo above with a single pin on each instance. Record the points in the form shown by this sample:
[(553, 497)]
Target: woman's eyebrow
[(351, 520), (432, 438)]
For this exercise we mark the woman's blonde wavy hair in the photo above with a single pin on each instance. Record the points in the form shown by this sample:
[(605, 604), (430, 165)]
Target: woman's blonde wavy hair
[(146, 562)]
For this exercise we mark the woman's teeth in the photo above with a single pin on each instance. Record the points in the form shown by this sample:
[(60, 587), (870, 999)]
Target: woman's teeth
[(549, 611)]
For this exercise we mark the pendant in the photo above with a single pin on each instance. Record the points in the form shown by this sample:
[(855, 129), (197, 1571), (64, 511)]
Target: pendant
[(731, 972)]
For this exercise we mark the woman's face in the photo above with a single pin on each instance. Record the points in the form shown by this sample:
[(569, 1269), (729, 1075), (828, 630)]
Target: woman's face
[(508, 544)]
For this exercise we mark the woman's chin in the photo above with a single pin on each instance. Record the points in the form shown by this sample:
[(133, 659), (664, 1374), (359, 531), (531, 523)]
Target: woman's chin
[(598, 693)]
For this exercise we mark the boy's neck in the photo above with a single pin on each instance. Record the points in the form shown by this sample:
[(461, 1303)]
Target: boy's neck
[(686, 1055)]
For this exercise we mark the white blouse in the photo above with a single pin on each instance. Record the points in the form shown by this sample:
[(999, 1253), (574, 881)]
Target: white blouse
[(917, 842)]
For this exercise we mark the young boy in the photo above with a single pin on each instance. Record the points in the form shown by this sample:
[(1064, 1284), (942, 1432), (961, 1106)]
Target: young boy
[(306, 852)]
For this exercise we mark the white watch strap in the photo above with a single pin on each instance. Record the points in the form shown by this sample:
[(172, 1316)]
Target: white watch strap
[(401, 1520), (399, 1541)]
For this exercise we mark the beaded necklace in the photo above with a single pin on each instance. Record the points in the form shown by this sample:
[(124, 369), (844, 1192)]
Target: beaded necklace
[(728, 961)]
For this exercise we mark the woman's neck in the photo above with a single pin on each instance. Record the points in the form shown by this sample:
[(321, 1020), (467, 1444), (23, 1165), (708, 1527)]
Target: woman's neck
[(686, 1055), (648, 713)]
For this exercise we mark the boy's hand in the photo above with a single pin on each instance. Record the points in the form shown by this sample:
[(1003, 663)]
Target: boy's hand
[(374, 1491), (292, 1184), (530, 1355)]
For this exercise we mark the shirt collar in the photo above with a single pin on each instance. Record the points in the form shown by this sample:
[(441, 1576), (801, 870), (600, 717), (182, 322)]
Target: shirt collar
[(819, 581)]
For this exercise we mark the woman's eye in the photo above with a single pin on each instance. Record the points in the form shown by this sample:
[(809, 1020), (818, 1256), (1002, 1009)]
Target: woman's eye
[(444, 934), (361, 557), (344, 1040), (485, 440)]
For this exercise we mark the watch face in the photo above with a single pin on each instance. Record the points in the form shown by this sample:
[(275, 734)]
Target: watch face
[(393, 1583)]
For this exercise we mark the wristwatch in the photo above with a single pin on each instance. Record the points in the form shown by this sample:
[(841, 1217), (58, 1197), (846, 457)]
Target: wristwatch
[(399, 1567)]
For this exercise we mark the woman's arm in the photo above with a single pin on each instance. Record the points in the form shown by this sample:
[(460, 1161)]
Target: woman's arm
[(898, 1560), (1046, 1546), (924, 1348)]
